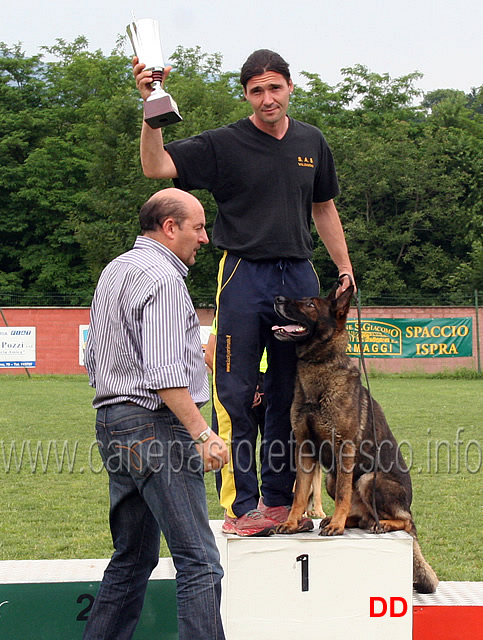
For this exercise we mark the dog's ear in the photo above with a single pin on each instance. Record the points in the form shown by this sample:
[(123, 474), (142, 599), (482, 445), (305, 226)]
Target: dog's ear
[(341, 305), (333, 291)]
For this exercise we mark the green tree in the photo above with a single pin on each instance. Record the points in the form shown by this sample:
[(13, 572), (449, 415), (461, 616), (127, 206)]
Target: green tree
[(72, 184), (22, 127), (78, 184), (409, 177)]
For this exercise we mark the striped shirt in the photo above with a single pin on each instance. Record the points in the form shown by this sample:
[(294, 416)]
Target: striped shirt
[(144, 334)]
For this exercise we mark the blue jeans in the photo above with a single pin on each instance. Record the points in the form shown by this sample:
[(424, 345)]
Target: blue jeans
[(155, 484)]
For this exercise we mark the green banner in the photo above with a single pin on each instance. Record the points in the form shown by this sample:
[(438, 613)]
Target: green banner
[(57, 611), (395, 338)]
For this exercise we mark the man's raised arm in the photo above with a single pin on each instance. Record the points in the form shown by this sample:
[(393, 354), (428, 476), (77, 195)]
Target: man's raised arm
[(155, 160)]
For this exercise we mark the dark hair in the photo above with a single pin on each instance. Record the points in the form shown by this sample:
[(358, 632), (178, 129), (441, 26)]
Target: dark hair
[(262, 61), (156, 210)]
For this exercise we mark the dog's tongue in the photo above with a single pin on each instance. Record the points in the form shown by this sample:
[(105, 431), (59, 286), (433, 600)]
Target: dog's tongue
[(289, 328)]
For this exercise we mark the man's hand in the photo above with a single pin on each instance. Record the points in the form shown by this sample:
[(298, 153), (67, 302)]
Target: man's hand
[(345, 280), (144, 77), (214, 453)]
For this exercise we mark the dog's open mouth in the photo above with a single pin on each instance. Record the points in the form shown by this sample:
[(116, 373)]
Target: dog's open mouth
[(298, 326), (292, 330)]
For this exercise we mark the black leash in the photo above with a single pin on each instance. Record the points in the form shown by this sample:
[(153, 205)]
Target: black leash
[(378, 528)]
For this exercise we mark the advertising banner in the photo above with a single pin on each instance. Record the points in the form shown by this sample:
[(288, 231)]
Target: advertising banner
[(396, 338), (17, 347)]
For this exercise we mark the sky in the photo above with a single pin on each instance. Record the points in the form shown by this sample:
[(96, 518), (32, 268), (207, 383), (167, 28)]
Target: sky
[(440, 39)]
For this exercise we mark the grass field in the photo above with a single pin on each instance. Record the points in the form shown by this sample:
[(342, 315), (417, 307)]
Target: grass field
[(53, 502)]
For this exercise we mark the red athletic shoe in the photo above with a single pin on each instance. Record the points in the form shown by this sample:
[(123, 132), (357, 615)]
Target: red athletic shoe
[(252, 523), (280, 514)]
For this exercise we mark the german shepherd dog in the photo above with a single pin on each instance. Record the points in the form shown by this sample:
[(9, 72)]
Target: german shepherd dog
[(336, 423)]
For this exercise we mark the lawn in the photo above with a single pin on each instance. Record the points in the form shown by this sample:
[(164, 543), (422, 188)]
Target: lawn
[(54, 501)]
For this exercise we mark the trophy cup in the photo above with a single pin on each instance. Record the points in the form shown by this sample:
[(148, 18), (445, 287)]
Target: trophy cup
[(159, 109)]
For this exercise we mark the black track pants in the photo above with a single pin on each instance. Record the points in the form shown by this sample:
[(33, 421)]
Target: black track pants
[(245, 316)]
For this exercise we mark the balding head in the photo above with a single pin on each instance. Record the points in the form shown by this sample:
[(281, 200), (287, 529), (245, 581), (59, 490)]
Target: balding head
[(168, 203), (176, 219)]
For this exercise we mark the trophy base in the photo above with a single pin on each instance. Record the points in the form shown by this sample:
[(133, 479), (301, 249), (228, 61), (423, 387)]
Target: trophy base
[(161, 111)]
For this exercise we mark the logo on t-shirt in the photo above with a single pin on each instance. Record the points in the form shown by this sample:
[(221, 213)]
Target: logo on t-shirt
[(303, 161)]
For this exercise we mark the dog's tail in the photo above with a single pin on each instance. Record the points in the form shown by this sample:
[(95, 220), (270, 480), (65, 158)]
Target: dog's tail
[(425, 579)]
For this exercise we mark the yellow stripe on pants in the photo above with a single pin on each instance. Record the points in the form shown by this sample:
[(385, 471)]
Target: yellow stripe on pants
[(225, 427)]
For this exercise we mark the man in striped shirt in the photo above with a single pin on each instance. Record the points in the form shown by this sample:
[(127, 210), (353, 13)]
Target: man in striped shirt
[(145, 360)]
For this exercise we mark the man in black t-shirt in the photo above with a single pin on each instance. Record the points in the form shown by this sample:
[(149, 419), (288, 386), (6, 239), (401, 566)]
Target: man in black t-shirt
[(270, 176)]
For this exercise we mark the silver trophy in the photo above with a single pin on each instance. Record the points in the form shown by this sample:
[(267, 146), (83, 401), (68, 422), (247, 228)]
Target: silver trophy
[(159, 109)]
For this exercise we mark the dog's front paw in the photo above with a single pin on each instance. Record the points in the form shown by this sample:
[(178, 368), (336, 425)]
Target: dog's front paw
[(329, 528), (289, 526), (325, 522), (297, 526)]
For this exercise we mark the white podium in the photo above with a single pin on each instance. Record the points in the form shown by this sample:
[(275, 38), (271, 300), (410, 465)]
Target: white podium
[(358, 585)]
